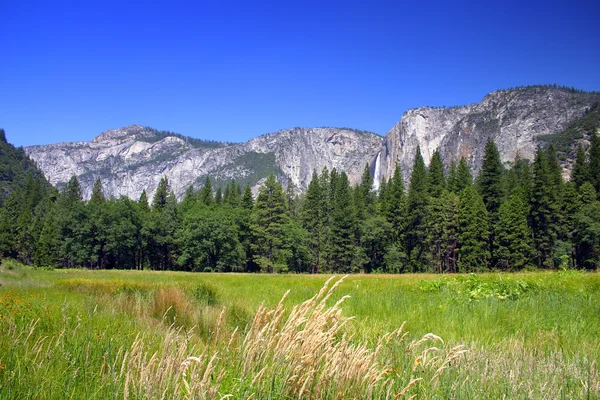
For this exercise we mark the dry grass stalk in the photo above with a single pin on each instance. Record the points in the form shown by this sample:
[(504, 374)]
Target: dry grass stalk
[(169, 373), (307, 355)]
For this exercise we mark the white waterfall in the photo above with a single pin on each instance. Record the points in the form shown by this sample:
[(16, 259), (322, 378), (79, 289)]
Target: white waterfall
[(377, 173)]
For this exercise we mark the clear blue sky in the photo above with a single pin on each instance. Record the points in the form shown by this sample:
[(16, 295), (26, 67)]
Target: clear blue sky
[(228, 70)]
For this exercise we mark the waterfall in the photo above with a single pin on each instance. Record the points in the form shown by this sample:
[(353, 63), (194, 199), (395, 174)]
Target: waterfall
[(377, 173)]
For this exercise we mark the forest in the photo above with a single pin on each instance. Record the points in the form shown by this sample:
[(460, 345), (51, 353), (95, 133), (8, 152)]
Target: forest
[(510, 218)]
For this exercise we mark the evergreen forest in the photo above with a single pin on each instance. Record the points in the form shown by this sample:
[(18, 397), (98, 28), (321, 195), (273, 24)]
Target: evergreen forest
[(507, 219)]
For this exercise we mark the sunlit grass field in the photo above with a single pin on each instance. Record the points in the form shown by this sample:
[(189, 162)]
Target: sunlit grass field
[(140, 334)]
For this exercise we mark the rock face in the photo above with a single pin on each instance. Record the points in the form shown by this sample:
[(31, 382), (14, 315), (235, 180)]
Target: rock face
[(135, 158), (514, 119)]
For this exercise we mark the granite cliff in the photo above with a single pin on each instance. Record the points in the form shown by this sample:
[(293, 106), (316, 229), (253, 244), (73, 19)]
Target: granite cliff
[(134, 158)]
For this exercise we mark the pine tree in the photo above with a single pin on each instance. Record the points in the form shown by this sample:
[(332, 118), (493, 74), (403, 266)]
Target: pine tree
[(343, 224), (73, 191), (570, 207), (396, 209), (441, 224), (206, 193), (270, 218), (512, 234), (416, 210), (313, 221), (490, 179), (143, 202), (452, 181), (541, 211), (219, 196), (190, 199), (159, 200), (579, 174), (464, 177), (594, 163), (367, 192), (435, 180), (248, 199), (473, 232), (97, 193)]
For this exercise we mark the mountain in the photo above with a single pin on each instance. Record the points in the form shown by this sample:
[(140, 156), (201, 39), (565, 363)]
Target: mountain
[(516, 119), (134, 158)]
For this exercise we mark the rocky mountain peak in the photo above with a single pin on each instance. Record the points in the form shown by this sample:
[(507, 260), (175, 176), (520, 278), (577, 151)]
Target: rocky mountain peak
[(130, 132)]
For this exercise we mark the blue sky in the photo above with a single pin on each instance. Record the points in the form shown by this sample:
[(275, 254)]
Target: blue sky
[(226, 70)]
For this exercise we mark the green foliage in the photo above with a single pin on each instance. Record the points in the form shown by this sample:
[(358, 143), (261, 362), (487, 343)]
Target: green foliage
[(566, 141), (416, 209), (473, 287), (473, 232), (489, 179), (268, 224), (512, 235)]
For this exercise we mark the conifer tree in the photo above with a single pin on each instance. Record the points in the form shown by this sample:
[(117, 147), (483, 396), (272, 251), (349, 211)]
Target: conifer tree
[(570, 207), (542, 211), (579, 174), (512, 234), (473, 232), (396, 209), (343, 224), (594, 161), (490, 179), (248, 199), (313, 221), (206, 193), (97, 193), (441, 225), (73, 191), (452, 181), (189, 199), (159, 201), (367, 192), (464, 177), (416, 209), (143, 202), (435, 180), (219, 196), (270, 217)]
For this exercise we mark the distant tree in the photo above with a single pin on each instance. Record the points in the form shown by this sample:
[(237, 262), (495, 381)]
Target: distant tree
[(248, 199), (343, 223), (512, 234), (594, 161), (542, 211), (219, 196), (159, 201), (209, 240), (416, 210), (97, 193), (441, 226), (579, 174), (473, 232), (314, 221), (436, 180), (270, 217), (206, 193), (489, 180)]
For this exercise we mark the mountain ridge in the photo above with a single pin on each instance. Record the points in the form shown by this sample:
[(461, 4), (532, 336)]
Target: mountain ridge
[(134, 158)]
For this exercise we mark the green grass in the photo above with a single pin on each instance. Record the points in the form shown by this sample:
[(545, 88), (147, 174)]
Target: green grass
[(72, 333)]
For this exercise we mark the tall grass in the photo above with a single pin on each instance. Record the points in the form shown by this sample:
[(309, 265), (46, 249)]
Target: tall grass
[(106, 334)]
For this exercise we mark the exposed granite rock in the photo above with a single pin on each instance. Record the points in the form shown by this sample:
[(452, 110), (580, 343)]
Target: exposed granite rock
[(135, 158), (514, 119)]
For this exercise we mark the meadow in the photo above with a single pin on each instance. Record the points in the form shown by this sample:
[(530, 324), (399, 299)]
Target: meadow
[(82, 334)]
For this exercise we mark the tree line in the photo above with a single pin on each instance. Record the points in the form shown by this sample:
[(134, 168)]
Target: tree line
[(444, 221)]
